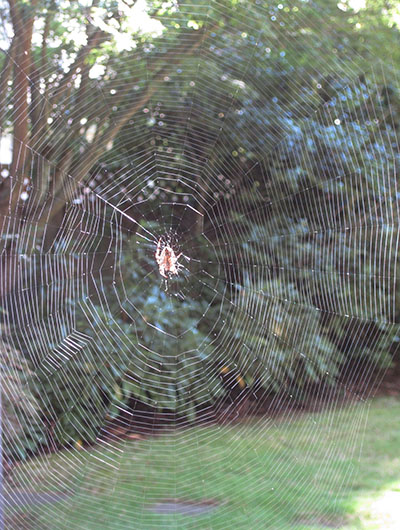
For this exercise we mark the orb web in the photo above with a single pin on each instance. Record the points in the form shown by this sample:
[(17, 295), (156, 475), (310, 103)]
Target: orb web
[(284, 215)]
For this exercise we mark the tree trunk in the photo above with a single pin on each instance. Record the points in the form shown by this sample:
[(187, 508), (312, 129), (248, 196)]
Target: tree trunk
[(22, 18), (4, 78)]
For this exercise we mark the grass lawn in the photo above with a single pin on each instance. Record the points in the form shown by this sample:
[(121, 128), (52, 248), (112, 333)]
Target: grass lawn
[(333, 469)]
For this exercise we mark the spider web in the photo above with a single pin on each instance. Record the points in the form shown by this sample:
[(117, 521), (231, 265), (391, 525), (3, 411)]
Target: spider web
[(269, 258)]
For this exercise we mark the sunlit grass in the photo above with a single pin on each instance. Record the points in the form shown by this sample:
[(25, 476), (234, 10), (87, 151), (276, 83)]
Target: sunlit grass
[(238, 466)]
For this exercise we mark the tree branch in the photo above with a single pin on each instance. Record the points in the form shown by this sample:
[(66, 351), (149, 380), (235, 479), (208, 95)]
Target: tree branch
[(90, 157), (93, 42), (169, 59)]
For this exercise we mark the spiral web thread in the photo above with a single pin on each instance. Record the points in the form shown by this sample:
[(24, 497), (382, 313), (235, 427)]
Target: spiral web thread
[(175, 188)]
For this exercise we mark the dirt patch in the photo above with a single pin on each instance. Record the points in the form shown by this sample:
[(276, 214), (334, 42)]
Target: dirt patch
[(390, 383)]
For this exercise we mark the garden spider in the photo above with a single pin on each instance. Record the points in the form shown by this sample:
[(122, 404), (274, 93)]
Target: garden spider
[(167, 260)]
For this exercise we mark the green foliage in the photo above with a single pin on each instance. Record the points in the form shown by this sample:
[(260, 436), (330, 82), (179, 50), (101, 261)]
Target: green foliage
[(148, 346), (313, 67), (20, 413)]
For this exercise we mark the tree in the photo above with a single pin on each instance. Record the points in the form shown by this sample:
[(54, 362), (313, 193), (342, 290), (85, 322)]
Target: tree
[(22, 429), (279, 128), (54, 105)]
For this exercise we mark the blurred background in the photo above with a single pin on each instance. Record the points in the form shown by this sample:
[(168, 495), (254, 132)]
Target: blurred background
[(199, 221)]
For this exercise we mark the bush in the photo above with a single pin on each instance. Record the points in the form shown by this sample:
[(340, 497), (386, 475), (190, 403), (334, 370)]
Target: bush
[(20, 412)]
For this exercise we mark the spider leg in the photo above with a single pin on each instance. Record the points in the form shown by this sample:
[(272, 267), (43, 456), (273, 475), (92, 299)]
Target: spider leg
[(158, 250)]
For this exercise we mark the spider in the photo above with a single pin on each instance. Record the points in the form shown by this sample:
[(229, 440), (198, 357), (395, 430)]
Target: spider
[(167, 260)]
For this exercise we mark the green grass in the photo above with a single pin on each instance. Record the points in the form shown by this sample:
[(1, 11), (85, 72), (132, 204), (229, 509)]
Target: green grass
[(333, 469)]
